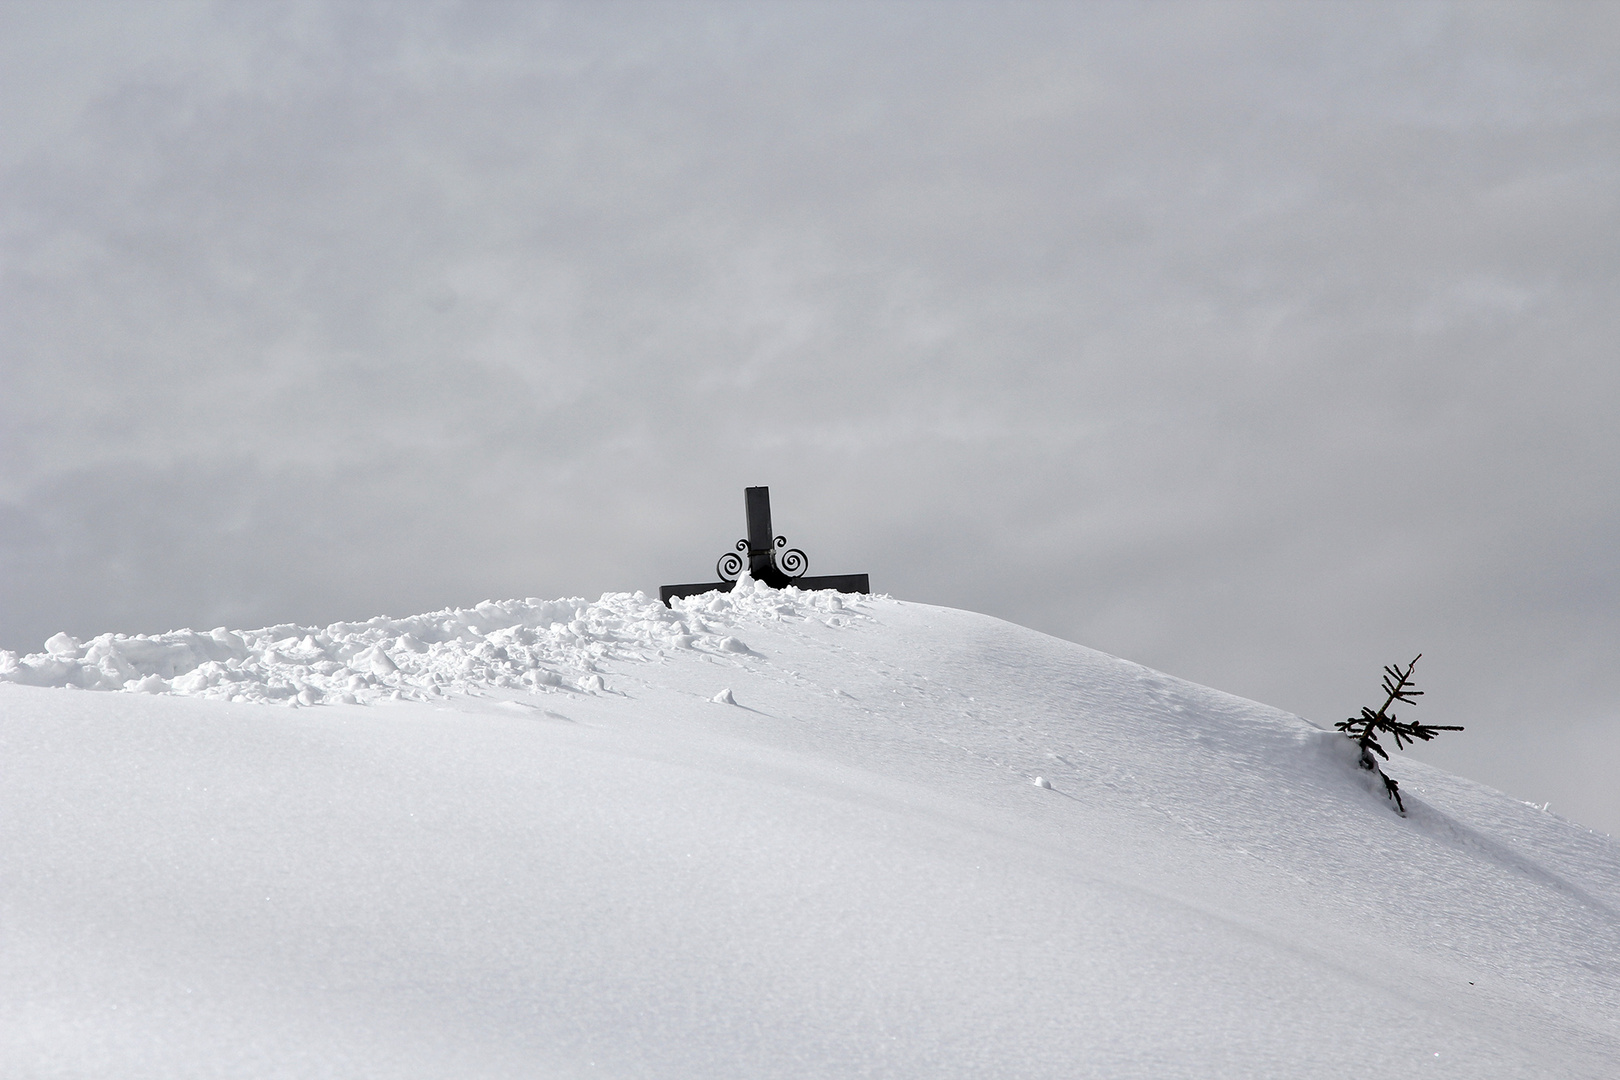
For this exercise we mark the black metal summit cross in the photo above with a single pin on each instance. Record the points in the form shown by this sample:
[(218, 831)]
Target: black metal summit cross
[(763, 564)]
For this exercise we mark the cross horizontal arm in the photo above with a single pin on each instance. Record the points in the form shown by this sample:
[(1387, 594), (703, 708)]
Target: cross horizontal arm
[(844, 583)]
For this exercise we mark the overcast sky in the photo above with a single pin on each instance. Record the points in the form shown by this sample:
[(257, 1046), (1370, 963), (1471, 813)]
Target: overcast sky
[(1261, 344)]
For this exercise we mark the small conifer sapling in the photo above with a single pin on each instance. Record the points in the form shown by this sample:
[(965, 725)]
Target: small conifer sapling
[(1366, 728)]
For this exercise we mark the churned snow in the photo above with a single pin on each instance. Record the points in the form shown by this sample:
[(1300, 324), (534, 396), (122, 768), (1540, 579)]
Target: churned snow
[(532, 645), (520, 840)]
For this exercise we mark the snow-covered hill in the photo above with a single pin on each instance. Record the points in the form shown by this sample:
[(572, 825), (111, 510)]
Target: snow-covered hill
[(769, 834)]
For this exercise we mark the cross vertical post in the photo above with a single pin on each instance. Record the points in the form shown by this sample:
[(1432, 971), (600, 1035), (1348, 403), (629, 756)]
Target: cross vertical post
[(761, 541)]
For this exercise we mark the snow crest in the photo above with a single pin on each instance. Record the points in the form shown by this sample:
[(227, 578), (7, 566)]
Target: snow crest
[(539, 646)]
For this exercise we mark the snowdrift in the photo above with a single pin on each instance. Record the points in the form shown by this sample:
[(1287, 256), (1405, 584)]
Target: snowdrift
[(762, 834)]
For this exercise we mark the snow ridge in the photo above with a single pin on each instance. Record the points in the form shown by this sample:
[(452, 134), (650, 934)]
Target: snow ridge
[(539, 646), (767, 834)]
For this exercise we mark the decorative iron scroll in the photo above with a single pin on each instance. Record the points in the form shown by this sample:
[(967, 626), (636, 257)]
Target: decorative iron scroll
[(791, 562), (730, 565)]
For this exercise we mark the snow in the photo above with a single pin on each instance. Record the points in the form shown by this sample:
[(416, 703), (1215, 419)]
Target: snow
[(519, 839)]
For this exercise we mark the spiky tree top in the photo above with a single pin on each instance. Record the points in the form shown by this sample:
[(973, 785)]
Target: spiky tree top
[(1366, 728)]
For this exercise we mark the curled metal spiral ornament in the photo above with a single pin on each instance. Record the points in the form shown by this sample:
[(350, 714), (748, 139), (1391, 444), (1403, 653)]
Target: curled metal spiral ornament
[(792, 562), (729, 566)]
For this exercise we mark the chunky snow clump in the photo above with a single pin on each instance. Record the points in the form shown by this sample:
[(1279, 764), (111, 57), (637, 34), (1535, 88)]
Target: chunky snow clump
[(541, 646)]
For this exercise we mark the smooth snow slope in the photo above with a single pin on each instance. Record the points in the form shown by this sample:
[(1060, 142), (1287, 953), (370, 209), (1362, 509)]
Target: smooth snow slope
[(553, 854)]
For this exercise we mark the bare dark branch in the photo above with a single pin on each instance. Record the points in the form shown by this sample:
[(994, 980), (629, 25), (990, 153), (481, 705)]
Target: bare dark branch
[(1366, 728)]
